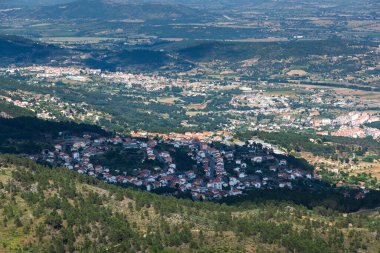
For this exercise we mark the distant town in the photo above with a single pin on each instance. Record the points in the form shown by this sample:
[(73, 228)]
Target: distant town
[(252, 106)]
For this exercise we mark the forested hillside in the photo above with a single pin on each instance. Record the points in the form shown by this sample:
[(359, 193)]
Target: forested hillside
[(16, 50), (55, 210), (103, 9)]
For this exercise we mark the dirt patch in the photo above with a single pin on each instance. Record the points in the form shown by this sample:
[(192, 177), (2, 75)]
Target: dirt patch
[(297, 72), (168, 100), (201, 106)]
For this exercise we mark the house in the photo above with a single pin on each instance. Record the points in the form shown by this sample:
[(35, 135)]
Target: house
[(229, 155), (152, 143), (165, 180), (76, 155), (256, 184), (190, 174), (235, 192), (137, 182), (257, 159), (144, 173), (156, 184), (151, 156), (216, 184)]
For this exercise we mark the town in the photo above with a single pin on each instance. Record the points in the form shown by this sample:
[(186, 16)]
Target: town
[(235, 107), (212, 171)]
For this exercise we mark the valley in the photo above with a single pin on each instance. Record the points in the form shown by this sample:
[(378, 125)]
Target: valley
[(189, 126)]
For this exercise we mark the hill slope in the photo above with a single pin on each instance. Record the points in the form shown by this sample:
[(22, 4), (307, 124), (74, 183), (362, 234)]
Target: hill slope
[(18, 50), (56, 210), (237, 51), (103, 9)]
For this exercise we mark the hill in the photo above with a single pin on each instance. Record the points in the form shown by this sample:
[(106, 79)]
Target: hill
[(136, 59), (20, 3), (184, 55), (238, 51), (104, 10), (21, 51), (56, 210)]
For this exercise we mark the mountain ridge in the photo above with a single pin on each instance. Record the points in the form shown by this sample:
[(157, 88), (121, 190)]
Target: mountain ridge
[(106, 10)]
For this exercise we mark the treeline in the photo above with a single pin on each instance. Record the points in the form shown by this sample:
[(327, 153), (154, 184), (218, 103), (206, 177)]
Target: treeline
[(30, 135), (375, 124), (289, 140), (326, 196), (321, 145)]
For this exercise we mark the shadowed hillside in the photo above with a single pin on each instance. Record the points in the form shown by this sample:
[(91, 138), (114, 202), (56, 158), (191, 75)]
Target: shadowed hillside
[(18, 50), (102, 9)]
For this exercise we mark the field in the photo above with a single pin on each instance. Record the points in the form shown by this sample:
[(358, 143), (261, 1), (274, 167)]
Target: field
[(354, 169), (373, 168), (297, 72), (168, 100)]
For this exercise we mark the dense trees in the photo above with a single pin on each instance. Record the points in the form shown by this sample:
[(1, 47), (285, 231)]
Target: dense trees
[(326, 146), (31, 135)]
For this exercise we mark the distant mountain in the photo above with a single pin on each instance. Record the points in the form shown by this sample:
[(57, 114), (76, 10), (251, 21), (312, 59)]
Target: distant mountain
[(20, 3), (18, 50), (185, 55), (105, 9), (223, 5)]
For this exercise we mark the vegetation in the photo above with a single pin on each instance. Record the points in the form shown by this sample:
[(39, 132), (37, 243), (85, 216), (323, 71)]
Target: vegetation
[(91, 9), (30, 135), (56, 210), (237, 51), (15, 111), (16, 49), (122, 161), (374, 124), (326, 146)]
